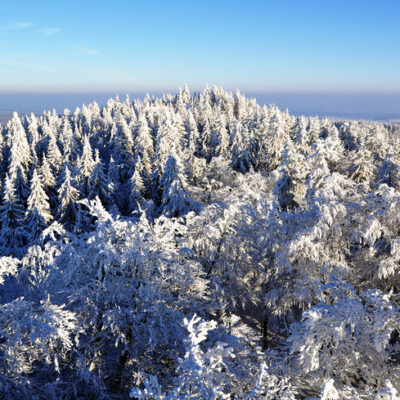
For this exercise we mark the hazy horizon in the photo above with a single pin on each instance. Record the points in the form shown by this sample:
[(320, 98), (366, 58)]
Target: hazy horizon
[(366, 106)]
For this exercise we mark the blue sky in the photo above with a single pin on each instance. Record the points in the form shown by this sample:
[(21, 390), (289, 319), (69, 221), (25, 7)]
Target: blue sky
[(257, 46)]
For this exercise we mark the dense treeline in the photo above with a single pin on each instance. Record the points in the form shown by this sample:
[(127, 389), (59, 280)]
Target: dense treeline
[(198, 246)]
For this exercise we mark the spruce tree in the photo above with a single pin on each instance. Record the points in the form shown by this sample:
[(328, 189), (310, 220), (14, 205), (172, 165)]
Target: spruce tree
[(46, 173), (53, 153), (70, 148), (38, 210), (18, 142), (98, 183), (20, 184), (137, 187), (67, 197), (174, 200), (13, 233), (33, 130), (86, 166), (144, 151)]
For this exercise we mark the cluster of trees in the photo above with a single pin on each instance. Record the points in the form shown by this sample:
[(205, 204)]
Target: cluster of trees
[(198, 246)]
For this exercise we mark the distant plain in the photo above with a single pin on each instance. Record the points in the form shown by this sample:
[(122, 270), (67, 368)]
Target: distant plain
[(337, 106)]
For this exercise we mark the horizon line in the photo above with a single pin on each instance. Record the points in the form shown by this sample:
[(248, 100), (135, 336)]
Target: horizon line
[(193, 90)]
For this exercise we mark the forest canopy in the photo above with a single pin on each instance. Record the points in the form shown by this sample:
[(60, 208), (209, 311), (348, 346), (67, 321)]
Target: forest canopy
[(198, 246)]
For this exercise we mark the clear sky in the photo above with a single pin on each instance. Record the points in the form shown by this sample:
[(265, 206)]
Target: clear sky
[(157, 45)]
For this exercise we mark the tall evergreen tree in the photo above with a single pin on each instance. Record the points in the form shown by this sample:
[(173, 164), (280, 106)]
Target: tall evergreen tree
[(98, 183), (174, 200), (13, 233), (70, 147), (144, 150), (18, 142), (38, 200), (20, 184), (86, 166), (67, 197), (137, 188)]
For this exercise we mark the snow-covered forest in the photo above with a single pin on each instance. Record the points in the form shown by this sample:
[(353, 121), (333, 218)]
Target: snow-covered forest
[(198, 246)]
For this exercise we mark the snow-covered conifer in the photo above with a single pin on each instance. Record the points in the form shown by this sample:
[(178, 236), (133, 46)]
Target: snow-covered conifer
[(144, 149), (53, 153), (67, 195), (13, 234), (137, 188), (98, 183), (38, 199), (203, 246), (86, 166), (389, 171), (18, 142), (47, 175), (174, 199)]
